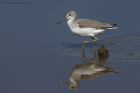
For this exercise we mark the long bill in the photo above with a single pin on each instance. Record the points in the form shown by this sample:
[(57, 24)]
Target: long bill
[(61, 21), (65, 82)]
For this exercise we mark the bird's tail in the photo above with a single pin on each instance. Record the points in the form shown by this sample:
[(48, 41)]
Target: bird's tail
[(114, 26)]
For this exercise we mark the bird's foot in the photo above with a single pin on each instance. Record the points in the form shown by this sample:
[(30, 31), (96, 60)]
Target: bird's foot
[(86, 42), (94, 41)]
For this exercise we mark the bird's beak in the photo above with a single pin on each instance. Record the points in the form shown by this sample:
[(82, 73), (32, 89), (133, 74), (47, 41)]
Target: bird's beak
[(61, 21), (65, 82)]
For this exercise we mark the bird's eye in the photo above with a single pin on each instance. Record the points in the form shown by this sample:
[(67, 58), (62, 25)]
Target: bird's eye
[(69, 14), (72, 87)]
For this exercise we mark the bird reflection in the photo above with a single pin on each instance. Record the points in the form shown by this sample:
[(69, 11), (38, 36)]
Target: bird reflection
[(90, 69)]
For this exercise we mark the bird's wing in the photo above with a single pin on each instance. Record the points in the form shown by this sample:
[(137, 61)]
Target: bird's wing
[(93, 24), (87, 77), (96, 75)]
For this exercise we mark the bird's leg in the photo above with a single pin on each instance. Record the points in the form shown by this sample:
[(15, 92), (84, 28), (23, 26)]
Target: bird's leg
[(84, 57), (83, 47), (94, 40)]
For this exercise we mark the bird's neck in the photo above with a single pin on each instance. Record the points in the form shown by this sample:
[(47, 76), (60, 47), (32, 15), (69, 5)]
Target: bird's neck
[(71, 23)]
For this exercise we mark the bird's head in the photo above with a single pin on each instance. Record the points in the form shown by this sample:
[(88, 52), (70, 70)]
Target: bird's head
[(71, 15), (72, 85)]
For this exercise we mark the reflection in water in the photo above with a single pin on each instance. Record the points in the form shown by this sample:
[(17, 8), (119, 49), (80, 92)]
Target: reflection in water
[(90, 69), (103, 54), (118, 45)]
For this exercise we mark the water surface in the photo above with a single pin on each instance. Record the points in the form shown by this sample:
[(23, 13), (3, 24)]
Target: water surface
[(36, 54)]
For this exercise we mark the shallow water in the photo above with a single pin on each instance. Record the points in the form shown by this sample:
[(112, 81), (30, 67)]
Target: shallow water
[(37, 54)]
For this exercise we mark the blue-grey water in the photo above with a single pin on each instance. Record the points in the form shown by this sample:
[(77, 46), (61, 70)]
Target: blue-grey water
[(36, 53)]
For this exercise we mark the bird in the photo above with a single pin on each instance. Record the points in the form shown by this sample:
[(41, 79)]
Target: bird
[(90, 69), (87, 27)]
